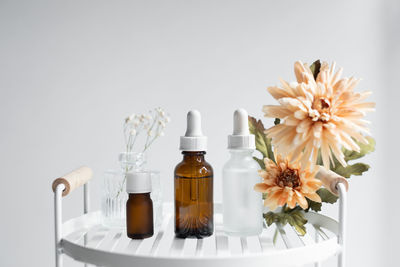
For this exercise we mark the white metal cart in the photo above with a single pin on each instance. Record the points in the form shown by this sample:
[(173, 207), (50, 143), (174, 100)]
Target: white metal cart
[(86, 240)]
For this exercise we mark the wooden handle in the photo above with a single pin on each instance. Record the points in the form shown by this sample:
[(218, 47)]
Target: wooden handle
[(73, 179), (330, 179)]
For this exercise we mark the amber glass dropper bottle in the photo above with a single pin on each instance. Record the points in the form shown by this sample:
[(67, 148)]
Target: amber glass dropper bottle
[(193, 184), (139, 207)]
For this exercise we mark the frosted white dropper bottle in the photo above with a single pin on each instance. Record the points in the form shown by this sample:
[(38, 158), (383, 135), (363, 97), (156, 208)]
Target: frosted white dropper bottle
[(242, 206)]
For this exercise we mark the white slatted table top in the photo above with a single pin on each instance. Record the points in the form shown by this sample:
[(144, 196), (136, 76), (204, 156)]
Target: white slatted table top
[(86, 240)]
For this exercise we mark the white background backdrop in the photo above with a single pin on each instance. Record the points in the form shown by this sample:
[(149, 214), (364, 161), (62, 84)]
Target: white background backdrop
[(70, 71)]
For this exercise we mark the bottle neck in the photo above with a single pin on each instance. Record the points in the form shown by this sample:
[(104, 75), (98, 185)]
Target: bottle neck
[(139, 195), (194, 156)]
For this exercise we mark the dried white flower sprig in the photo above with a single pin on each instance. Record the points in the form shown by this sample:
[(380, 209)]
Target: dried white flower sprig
[(152, 124)]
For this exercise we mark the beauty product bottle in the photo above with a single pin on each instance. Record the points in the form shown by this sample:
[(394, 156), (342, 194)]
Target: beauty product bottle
[(139, 207), (193, 184), (242, 206)]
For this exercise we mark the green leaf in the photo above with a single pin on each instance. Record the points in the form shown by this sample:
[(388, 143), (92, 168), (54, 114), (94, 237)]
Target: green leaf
[(298, 221), (294, 217), (353, 169), (313, 205), (263, 144), (315, 68), (327, 196), (364, 149), (260, 162), (349, 155), (270, 218)]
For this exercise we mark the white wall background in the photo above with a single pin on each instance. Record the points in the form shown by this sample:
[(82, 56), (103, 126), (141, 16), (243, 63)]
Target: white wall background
[(70, 71)]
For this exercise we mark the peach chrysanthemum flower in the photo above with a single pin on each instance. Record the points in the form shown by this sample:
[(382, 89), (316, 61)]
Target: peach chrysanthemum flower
[(287, 182), (323, 113)]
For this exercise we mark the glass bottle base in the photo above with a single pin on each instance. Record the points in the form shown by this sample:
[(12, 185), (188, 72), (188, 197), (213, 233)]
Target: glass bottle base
[(140, 236), (193, 233)]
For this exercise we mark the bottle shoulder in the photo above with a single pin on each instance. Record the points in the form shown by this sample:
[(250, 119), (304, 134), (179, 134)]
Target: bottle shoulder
[(208, 166), (245, 162), (190, 169), (141, 198)]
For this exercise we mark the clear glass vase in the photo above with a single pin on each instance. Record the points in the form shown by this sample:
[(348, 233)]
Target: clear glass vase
[(114, 196), (156, 197)]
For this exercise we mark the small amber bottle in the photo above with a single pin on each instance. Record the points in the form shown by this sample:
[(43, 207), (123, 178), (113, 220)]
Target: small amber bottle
[(139, 207), (193, 184)]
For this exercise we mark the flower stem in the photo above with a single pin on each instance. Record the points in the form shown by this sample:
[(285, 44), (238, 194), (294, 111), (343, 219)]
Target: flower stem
[(275, 236), (150, 129), (276, 229), (149, 144)]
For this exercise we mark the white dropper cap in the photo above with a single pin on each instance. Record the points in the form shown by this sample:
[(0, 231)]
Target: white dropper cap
[(241, 137), (194, 140), (138, 182)]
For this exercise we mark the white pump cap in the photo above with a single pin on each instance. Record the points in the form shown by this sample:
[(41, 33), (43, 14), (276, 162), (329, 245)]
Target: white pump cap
[(241, 137), (194, 140), (138, 182)]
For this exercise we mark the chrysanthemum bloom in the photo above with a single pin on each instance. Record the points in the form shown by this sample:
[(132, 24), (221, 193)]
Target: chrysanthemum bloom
[(323, 113), (287, 182)]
